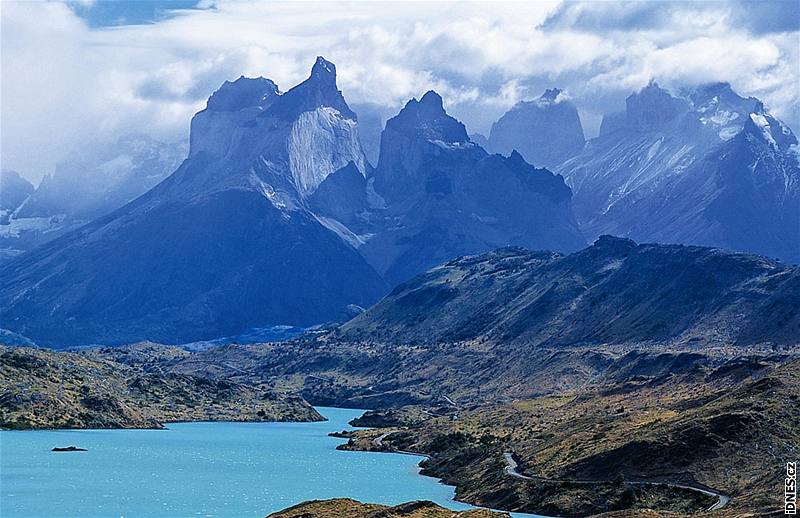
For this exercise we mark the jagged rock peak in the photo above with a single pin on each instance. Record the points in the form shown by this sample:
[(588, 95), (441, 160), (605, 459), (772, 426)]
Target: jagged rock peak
[(323, 69), (432, 101), (708, 91), (245, 92), (319, 90), (552, 93), (720, 94), (551, 96), (428, 118), (546, 130), (653, 107), (515, 157)]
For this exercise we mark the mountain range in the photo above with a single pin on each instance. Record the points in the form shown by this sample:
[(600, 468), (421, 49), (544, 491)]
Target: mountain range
[(277, 217), (226, 243), (708, 167), (444, 196), (705, 167)]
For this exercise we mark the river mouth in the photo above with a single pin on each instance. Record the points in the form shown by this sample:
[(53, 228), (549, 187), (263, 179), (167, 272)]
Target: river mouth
[(211, 469)]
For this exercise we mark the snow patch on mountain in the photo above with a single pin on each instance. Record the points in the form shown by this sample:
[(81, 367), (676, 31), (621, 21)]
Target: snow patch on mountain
[(341, 230), (761, 122), (280, 200)]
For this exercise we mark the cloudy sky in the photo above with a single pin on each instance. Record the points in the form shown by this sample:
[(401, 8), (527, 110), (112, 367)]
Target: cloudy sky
[(76, 73)]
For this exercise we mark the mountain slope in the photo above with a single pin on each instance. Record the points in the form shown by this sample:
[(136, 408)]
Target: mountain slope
[(226, 243), (614, 292), (708, 168)]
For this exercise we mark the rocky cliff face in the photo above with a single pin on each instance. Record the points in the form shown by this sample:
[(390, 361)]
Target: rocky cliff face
[(225, 244), (709, 167), (545, 132)]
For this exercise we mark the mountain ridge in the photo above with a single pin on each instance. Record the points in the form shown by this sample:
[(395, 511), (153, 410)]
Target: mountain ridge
[(614, 291)]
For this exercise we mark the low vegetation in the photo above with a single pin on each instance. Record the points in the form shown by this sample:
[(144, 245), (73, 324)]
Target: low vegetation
[(47, 389)]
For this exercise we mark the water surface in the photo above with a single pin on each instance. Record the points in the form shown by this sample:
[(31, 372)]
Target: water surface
[(201, 469)]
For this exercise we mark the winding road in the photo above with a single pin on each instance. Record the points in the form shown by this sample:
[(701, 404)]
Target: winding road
[(512, 470)]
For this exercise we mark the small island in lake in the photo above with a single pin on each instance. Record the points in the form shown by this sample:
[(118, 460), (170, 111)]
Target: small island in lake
[(69, 448)]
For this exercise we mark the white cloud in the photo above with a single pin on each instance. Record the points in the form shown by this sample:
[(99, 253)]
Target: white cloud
[(64, 84)]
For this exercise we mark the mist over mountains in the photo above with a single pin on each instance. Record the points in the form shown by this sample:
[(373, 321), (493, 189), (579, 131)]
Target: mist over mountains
[(86, 185), (279, 217)]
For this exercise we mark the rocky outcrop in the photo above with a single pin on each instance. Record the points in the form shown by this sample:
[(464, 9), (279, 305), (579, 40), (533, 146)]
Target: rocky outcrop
[(341, 507), (46, 389)]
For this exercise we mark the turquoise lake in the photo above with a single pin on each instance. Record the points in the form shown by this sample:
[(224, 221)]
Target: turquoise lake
[(201, 469)]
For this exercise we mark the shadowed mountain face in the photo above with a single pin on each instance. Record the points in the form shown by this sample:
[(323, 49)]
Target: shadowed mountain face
[(545, 132), (614, 292), (225, 244), (709, 168)]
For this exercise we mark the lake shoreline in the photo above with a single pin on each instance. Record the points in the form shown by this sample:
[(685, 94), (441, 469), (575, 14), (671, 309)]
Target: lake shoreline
[(267, 467)]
